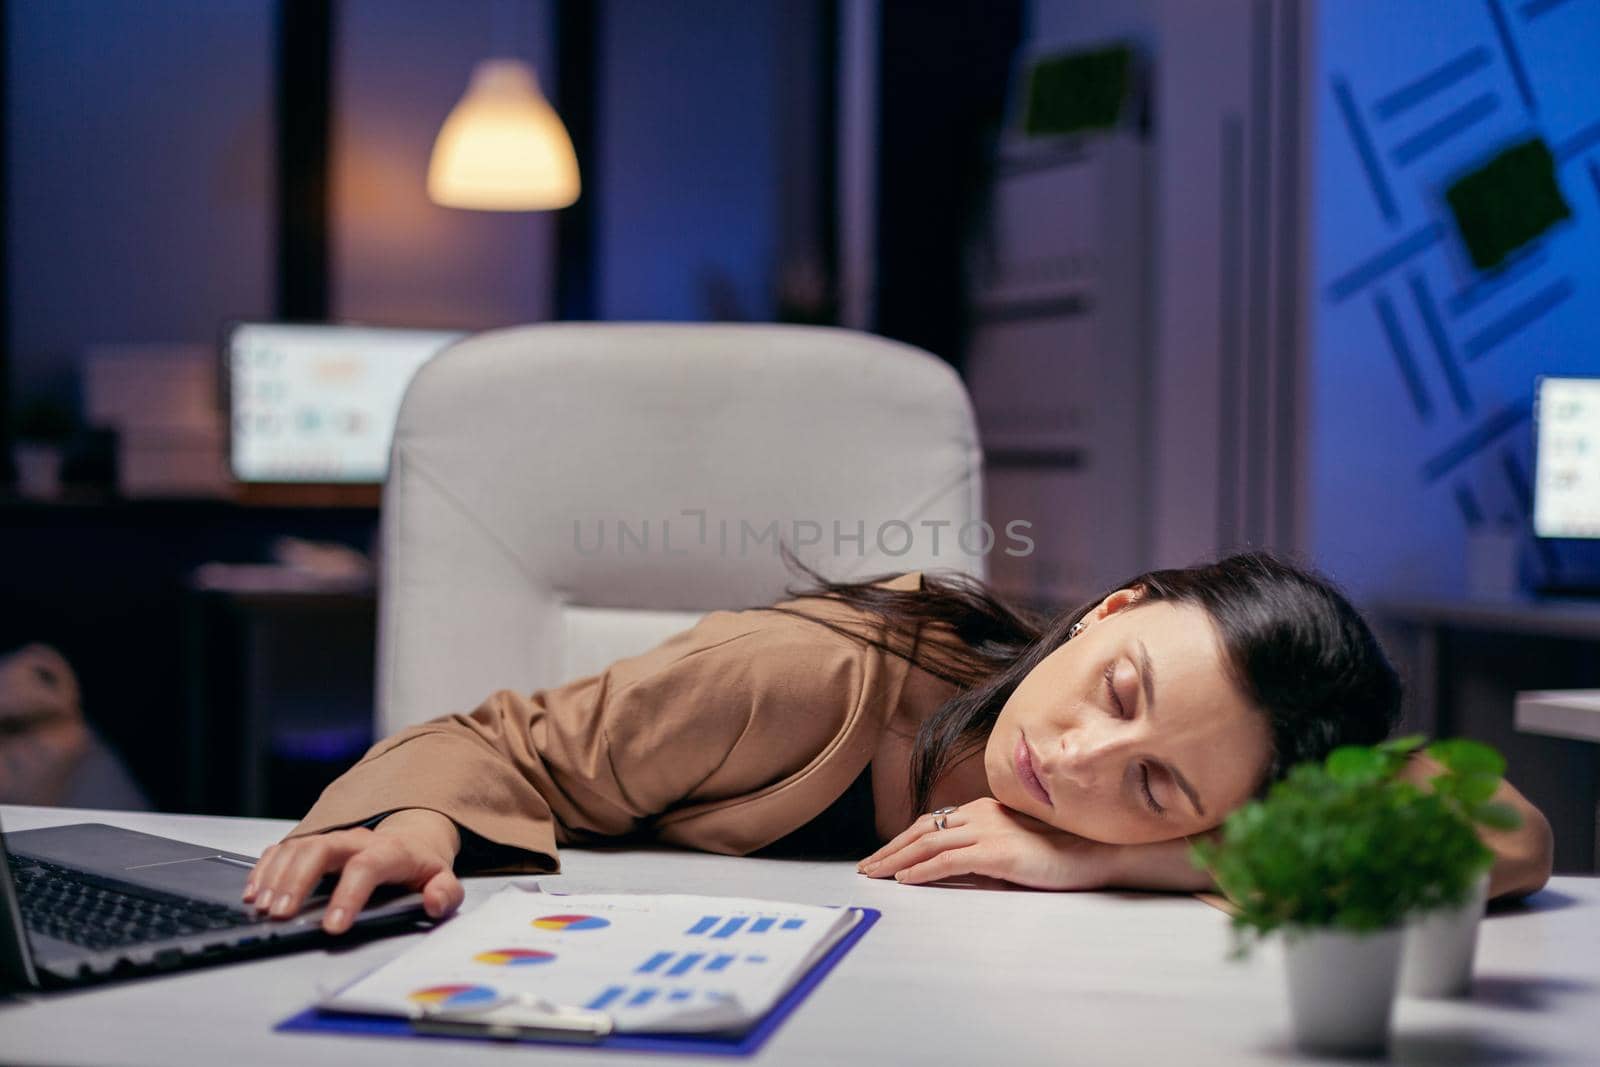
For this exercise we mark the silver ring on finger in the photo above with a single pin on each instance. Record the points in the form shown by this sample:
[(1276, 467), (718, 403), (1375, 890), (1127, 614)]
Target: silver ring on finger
[(939, 817)]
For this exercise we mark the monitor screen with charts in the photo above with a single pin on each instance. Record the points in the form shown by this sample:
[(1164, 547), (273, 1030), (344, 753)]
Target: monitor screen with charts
[(316, 404), (1566, 494)]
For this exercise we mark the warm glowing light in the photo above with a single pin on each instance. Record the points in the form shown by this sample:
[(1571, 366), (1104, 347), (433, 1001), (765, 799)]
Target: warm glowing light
[(502, 147)]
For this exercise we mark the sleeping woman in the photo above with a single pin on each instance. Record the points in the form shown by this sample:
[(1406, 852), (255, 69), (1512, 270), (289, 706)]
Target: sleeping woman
[(914, 720)]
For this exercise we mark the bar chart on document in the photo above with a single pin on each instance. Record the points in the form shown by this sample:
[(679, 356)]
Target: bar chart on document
[(652, 962)]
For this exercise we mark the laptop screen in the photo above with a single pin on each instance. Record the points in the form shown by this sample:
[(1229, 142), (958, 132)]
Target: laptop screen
[(317, 403), (16, 952), (1566, 494)]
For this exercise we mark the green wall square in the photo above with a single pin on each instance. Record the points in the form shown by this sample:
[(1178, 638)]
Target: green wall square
[(1077, 91), (1507, 202)]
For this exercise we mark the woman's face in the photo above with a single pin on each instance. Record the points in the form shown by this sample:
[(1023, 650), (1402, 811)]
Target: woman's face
[(1139, 700)]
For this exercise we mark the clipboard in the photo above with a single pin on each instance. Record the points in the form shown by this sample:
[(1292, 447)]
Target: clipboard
[(575, 1032)]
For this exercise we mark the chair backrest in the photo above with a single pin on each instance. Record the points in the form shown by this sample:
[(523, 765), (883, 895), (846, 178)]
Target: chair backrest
[(560, 496)]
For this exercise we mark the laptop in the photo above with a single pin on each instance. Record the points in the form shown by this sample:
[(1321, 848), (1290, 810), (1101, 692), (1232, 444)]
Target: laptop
[(88, 903)]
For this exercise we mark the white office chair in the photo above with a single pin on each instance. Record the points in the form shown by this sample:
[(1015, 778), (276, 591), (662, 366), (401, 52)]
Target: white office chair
[(536, 472)]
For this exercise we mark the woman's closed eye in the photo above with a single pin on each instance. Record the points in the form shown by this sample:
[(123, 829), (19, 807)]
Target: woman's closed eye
[(1149, 797), (1122, 712), (1111, 690)]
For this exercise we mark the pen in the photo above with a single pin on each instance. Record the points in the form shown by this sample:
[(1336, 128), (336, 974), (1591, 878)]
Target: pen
[(522, 1017)]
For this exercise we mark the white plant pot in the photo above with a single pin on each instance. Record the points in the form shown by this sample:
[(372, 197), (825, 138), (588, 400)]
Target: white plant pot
[(1342, 987), (1439, 946)]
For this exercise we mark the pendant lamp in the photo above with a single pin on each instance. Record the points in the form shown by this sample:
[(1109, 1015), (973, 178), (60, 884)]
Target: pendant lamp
[(502, 147)]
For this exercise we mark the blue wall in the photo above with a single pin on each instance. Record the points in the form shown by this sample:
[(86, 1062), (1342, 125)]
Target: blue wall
[(140, 154), (1423, 366), (689, 194)]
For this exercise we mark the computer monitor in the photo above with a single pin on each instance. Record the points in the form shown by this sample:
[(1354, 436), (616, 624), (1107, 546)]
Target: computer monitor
[(1566, 494), (314, 405)]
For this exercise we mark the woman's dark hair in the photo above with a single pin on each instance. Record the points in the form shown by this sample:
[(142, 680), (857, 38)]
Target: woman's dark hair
[(1293, 644)]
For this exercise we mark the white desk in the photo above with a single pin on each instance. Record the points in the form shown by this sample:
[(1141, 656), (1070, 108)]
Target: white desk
[(957, 976), (1573, 713)]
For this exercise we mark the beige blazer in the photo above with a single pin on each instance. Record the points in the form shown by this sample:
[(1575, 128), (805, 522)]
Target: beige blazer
[(723, 738)]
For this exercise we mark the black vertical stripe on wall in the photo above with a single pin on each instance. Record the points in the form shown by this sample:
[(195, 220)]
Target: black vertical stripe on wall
[(827, 146), (943, 70), (304, 76), (7, 472), (577, 99)]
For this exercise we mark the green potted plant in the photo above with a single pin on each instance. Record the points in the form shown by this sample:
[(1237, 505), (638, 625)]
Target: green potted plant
[(1337, 858), (1436, 960)]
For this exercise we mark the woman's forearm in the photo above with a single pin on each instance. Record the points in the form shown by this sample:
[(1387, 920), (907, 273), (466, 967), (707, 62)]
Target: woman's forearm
[(1163, 865), (1524, 857), (1521, 866)]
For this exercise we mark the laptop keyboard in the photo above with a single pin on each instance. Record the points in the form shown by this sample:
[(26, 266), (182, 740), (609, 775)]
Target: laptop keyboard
[(99, 913)]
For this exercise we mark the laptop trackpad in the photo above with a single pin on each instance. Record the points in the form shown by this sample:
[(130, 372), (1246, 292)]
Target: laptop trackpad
[(217, 878), (209, 877)]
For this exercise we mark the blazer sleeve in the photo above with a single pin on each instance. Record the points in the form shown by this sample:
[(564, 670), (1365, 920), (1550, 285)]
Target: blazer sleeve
[(731, 704)]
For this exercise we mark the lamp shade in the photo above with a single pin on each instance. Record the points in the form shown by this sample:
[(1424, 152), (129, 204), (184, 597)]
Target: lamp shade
[(502, 147)]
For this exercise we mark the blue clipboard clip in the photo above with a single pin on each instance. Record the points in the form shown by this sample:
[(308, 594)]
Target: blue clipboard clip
[(516, 1017)]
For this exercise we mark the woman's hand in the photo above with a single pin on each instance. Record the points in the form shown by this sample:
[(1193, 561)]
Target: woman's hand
[(415, 848), (987, 838)]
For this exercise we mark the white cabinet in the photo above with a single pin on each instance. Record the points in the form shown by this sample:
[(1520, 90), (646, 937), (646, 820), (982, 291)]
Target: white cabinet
[(1058, 362)]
